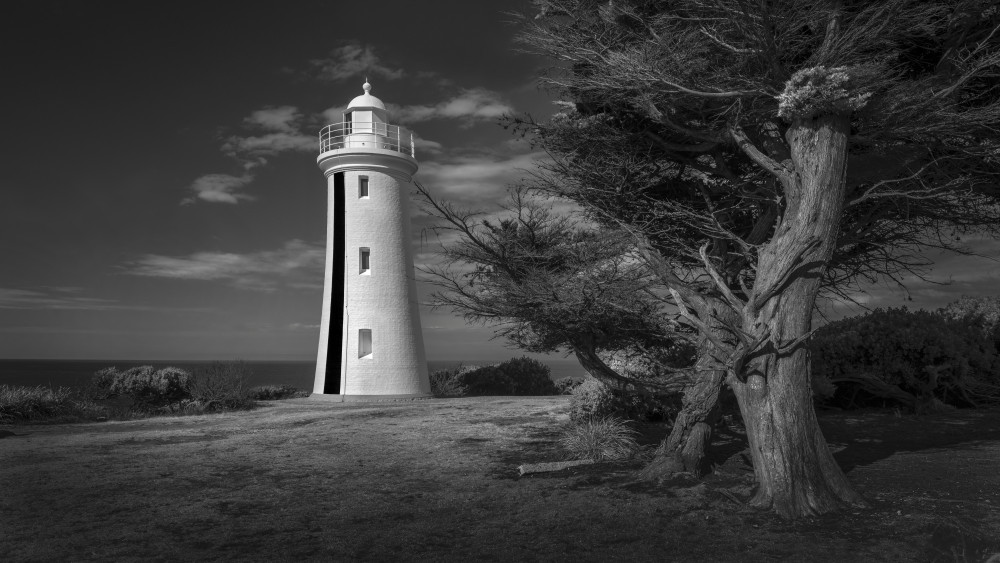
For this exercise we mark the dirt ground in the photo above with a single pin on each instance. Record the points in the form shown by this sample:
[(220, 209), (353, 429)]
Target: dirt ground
[(437, 480)]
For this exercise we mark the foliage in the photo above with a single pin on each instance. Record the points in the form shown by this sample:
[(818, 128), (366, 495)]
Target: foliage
[(99, 385), (445, 382), (567, 385), (761, 152), (517, 376), (981, 312), (150, 387), (915, 358), (600, 439), (530, 376), (594, 399), (275, 392), (25, 404), (222, 386)]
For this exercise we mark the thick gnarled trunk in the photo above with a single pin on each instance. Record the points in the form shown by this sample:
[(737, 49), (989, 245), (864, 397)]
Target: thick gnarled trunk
[(796, 473), (685, 449)]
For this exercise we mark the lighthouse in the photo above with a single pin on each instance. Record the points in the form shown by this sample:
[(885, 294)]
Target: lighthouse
[(370, 343)]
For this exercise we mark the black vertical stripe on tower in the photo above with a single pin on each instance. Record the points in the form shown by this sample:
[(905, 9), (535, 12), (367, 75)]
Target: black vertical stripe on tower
[(333, 345)]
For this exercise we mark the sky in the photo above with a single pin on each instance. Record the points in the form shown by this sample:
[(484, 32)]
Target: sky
[(159, 194)]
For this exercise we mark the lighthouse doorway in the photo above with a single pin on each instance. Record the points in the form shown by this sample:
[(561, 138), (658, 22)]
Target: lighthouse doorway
[(334, 346)]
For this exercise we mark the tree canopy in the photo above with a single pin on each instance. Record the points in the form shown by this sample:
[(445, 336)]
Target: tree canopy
[(754, 153)]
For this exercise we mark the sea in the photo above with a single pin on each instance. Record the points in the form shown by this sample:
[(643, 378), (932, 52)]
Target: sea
[(76, 373)]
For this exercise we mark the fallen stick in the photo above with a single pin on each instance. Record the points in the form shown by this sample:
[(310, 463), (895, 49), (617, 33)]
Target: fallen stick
[(529, 468)]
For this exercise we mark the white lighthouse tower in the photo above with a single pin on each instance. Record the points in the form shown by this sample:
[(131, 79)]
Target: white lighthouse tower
[(370, 343)]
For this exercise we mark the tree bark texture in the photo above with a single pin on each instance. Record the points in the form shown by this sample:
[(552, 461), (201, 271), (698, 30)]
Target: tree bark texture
[(684, 450), (796, 473)]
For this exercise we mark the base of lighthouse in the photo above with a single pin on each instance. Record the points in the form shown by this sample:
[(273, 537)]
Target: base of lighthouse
[(371, 345)]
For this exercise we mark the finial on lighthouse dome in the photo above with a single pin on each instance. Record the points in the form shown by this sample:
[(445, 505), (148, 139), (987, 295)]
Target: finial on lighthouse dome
[(366, 100)]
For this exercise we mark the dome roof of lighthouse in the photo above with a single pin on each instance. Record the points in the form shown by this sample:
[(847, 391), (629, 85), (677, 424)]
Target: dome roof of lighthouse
[(366, 100)]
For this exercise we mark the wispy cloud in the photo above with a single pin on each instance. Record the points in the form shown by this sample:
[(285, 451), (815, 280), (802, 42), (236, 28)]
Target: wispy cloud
[(294, 265), (283, 119), (476, 178), (68, 299), (270, 131), (11, 298), (219, 188), (267, 132), (475, 104), (353, 60)]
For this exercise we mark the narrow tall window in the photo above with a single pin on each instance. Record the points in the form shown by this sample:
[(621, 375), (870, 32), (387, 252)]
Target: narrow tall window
[(363, 187), (366, 257), (348, 123), (365, 343)]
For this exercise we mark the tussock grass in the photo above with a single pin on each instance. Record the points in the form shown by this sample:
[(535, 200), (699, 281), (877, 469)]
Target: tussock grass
[(22, 404), (276, 392), (600, 439)]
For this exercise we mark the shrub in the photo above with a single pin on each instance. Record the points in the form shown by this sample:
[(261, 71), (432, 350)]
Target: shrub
[(22, 404), (566, 385), (916, 359), (600, 439), (980, 312), (517, 376), (153, 388), (445, 382), (592, 399), (222, 385), (99, 386), (275, 392), (485, 380)]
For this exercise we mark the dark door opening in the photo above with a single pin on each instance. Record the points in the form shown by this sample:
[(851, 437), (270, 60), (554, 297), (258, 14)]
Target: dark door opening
[(336, 338)]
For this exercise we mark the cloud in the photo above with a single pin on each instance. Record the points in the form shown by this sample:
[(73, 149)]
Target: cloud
[(67, 299), (478, 178), (282, 119), (353, 60), (428, 146), (471, 105), (253, 151), (293, 265), (30, 299), (270, 131), (219, 188), (276, 130)]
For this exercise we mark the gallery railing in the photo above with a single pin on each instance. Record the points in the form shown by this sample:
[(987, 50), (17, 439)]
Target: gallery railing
[(366, 134)]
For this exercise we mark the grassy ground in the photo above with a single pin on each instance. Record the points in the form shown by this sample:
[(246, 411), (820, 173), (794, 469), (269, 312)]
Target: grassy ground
[(436, 480)]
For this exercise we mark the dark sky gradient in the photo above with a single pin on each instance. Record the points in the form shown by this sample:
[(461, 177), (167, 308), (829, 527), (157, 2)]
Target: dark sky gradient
[(160, 197)]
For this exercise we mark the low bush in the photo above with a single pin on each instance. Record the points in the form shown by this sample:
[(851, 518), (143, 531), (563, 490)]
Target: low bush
[(916, 359), (566, 385), (222, 386), (445, 382), (26, 404), (517, 376), (99, 386), (592, 399), (600, 439), (275, 392), (150, 387), (530, 376), (980, 312)]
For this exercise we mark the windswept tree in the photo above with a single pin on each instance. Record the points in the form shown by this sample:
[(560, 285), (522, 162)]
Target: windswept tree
[(753, 150), (548, 284)]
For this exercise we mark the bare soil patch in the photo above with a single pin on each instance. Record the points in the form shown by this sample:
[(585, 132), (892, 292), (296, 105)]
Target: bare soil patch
[(437, 480)]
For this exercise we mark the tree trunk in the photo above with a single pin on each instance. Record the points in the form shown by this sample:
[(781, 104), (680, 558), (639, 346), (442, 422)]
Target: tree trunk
[(796, 473), (684, 450)]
